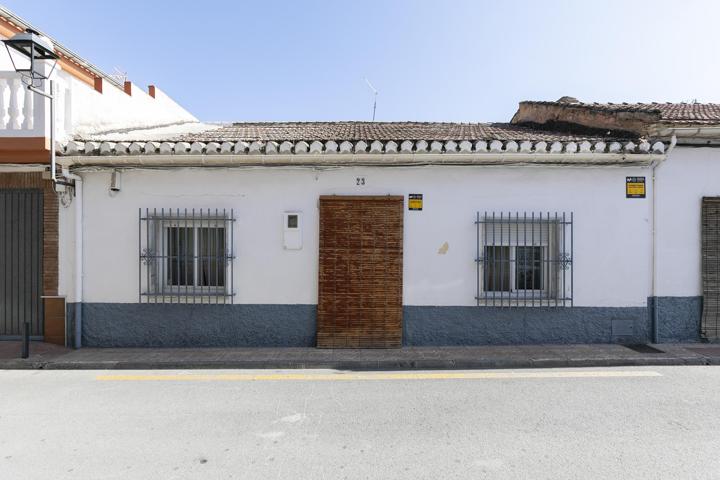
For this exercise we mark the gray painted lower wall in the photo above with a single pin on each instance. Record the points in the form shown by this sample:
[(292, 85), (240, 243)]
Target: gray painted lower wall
[(156, 325), (678, 318), (153, 325), (502, 326)]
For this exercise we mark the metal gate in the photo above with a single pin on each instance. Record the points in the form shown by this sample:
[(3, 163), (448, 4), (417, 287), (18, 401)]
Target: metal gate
[(21, 223)]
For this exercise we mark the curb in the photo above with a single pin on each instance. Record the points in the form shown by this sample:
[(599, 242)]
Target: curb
[(400, 364)]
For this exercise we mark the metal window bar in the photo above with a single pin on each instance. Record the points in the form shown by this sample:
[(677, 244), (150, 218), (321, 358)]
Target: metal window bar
[(186, 257), (524, 260)]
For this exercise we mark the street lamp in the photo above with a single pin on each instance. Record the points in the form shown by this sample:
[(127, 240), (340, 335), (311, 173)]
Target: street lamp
[(33, 57)]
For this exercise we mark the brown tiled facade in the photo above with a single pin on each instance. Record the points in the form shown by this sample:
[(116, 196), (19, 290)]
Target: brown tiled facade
[(50, 222)]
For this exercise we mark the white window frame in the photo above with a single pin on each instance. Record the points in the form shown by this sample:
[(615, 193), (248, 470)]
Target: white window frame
[(159, 275)]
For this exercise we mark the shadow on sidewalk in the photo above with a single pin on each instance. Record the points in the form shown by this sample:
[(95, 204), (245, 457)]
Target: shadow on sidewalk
[(10, 350)]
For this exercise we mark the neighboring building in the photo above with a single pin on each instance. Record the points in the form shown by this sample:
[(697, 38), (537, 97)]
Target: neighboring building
[(88, 102), (686, 242), (574, 223)]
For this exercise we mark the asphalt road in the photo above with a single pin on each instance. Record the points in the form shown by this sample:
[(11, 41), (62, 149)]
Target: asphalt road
[(659, 422)]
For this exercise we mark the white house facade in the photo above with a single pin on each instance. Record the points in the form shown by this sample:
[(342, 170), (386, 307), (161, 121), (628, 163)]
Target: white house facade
[(521, 236)]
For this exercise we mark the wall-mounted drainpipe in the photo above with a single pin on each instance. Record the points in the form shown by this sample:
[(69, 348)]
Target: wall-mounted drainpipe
[(78, 254), (655, 315)]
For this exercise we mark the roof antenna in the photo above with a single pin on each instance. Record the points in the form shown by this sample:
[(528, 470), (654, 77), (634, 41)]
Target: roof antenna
[(119, 75), (375, 93)]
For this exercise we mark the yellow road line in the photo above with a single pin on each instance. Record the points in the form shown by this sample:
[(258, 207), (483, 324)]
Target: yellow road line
[(499, 375)]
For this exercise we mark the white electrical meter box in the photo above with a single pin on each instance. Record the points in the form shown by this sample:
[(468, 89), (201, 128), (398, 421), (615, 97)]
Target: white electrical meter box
[(292, 230)]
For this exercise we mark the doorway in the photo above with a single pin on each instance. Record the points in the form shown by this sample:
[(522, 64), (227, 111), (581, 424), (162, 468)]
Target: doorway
[(360, 272), (21, 260)]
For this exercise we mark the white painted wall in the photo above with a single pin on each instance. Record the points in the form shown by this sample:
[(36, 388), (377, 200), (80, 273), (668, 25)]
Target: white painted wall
[(114, 109), (689, 174), (612, 234), (81, 110)]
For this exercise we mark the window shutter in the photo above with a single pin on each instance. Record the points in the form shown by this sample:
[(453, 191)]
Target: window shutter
[(711, 267)]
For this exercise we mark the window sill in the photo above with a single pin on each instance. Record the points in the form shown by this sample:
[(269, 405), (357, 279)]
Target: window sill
[(529, 302), (209, 298)]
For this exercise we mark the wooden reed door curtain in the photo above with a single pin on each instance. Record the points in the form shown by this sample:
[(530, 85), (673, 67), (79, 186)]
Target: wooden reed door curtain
[(360, 272), (710, 325)]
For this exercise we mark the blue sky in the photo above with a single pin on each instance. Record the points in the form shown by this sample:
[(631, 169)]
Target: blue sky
[(452, 60)]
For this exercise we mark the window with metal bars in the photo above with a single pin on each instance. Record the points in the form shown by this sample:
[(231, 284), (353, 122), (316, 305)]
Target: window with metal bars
[(186, 256), (524, 259)]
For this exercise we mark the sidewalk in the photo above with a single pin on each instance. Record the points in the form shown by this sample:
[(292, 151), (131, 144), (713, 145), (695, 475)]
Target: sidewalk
[(51, 357)]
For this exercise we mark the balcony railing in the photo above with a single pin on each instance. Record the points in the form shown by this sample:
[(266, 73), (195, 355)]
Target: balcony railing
[(24, 113)]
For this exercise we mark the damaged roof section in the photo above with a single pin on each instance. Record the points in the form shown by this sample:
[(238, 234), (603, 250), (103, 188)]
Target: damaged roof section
[(617, 119)]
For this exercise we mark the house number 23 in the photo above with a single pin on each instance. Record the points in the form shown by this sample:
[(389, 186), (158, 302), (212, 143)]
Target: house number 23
[(360, 181)]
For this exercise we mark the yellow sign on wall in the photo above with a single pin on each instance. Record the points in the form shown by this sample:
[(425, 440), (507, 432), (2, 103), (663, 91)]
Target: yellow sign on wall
[(635, 187), (415, 201)]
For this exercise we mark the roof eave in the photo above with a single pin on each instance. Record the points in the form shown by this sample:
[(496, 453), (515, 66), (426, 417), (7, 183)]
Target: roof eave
[(365, 159)]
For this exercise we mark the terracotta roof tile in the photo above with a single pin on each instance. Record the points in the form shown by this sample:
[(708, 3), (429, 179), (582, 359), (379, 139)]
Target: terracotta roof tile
[(383, 131)]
